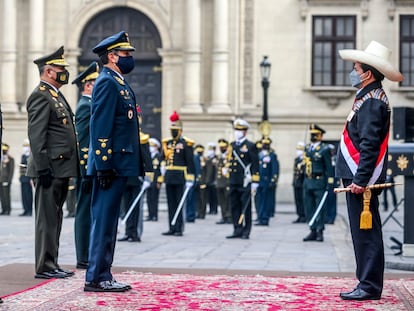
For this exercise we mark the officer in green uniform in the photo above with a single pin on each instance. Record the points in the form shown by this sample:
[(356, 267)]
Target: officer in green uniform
[(54, 159), (318, 180), (178, 152), (223, 185), (85, 82), (6, 177)]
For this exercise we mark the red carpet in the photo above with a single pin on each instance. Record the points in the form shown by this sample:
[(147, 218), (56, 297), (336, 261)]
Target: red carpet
[(219, 292)]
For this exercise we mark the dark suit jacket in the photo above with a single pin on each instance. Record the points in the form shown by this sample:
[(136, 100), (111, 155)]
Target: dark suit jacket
[(51, 133), (368, 130)]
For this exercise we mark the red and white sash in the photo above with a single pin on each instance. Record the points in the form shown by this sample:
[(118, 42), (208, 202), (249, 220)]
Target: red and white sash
[(350, 152)]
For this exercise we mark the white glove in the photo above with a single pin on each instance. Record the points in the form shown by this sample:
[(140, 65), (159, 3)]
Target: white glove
[(5, 184), (188, 184), (146, 184), (163, 169), (254, 186)]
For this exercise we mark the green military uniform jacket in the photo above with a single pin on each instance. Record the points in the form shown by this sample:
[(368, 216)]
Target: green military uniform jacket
[(51, 133)]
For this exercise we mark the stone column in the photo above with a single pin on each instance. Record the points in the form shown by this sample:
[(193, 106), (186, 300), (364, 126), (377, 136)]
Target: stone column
[(192, 59), (220, 70), (37, 38), (8, 57)]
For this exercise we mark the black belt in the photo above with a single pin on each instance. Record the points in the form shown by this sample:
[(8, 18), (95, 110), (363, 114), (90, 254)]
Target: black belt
[(315, 176)]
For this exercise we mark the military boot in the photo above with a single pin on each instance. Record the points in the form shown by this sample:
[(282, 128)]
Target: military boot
[(319, 236), (311, 236)]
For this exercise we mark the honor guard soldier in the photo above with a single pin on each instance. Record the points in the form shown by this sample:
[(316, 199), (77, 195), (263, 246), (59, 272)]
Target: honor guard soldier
[(85, 82), (26, 181), (209, 193), (135, 222), (318, 181), (154, 189), (269, 172), (114, 155), (298, 177), (244, 179), (222, 183), (53, 160), (178, 153), (194, 198), (7, 172)]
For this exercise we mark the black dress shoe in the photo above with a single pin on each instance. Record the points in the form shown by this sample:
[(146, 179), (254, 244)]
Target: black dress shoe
[(190, 220), (233, 236), (359, 294), (104, 286), (53, 274), (134, 239), (1, 300), (221, 222), (169, 232), (178, 233), (310, 237), (67, 272), (260, 223), (124, 238), (244, 237), (82, 265)]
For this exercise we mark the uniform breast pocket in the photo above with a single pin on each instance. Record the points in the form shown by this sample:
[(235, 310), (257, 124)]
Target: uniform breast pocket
[(62, 115)]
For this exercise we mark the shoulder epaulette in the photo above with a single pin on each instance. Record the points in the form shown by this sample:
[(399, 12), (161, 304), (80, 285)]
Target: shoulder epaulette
[(189, 141), (143, 138), (165, 140)]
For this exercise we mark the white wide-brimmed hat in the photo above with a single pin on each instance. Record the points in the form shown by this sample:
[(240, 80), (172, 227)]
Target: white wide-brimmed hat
[(375, 55)]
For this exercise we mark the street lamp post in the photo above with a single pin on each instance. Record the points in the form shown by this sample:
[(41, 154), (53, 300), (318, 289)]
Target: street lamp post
[(265, 67)]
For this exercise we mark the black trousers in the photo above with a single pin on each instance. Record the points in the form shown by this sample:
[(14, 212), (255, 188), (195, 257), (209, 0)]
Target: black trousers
[(368, 244), (239, 196), (27, 197), (152, 200), (174, 194), (300, 209)]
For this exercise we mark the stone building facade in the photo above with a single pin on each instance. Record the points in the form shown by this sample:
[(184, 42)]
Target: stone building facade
[(201, 58)]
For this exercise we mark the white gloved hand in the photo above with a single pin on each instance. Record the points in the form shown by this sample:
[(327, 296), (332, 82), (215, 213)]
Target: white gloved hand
[(254, 186), (163, 169), (146, 184), (188, 184)]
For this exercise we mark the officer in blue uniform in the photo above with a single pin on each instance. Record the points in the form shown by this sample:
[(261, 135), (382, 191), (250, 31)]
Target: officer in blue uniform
[(244, 179), (318, 179), (178, 152), (114, 155), (85, 82), (269, 172), (194, 202)]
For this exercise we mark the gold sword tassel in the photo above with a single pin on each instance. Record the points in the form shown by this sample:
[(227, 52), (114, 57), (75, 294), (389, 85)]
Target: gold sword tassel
[(365, 221)]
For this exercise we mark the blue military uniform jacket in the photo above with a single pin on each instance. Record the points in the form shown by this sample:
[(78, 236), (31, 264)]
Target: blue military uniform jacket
[(114, 147), (82, 117), (268, 169)]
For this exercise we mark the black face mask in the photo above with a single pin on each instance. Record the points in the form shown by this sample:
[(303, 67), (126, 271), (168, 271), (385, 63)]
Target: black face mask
[(62, 77), (314, 138), (175, 133), (223, 150), (266, 147)]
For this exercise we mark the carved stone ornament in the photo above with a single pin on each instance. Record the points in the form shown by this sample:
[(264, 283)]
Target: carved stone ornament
[(306, 4)]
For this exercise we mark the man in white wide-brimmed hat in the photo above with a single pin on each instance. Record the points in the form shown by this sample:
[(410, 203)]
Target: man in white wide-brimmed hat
[(361, 162)]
